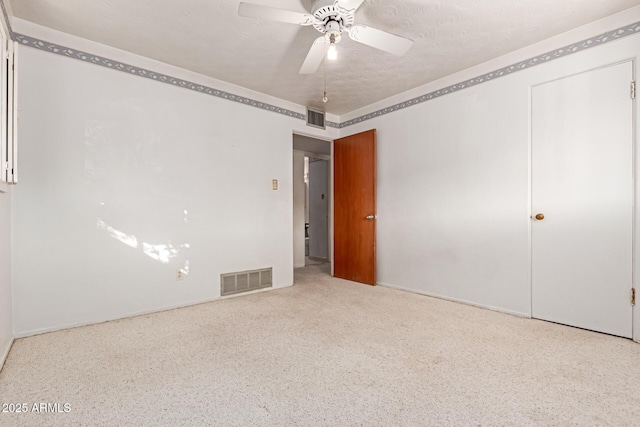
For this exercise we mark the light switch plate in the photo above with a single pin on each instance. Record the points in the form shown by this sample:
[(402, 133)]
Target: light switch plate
[(274, 184)]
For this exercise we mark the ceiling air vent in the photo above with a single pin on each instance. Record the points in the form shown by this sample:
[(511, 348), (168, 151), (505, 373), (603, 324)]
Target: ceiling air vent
[(315, 118), (245, 281)]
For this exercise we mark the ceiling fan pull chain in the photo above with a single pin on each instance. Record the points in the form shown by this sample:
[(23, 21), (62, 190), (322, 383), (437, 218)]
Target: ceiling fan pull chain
[(324, 98)]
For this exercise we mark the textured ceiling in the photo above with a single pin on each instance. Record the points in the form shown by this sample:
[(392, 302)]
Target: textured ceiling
[(208, 36)]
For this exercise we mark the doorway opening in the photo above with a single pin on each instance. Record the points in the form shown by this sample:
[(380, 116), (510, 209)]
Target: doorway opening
[(312, 202), (316, 211)]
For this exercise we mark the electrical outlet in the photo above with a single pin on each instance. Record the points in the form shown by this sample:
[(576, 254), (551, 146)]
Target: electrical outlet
[(179, 274)]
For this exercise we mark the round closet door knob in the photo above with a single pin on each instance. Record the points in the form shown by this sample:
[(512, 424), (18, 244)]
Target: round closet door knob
[(540, 217)]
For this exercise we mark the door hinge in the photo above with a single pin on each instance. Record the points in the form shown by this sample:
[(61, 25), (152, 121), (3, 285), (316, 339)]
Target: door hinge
[(633, 296), (633, 89)]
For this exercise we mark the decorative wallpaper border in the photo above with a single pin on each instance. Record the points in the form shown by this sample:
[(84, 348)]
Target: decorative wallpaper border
[(598, 40), (152, 75), (505, 71)]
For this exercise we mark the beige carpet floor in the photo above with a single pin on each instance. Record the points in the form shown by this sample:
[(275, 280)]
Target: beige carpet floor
[(326, 352)]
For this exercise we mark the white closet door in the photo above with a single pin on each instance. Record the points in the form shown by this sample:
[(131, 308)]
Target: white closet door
[(582, 182)]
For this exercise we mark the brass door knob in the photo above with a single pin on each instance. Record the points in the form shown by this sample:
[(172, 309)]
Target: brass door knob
[(539, 217)]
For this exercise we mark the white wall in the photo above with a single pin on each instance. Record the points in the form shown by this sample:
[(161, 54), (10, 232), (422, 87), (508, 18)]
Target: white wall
[(453, 186), (125, 180), (6, 318)]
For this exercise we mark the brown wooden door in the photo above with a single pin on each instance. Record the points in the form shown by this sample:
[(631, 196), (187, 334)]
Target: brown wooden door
[(354, 163)]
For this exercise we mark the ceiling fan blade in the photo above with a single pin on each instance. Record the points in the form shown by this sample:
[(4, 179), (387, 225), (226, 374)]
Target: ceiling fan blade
[(349, 5), (314, 57), (380, 39), (250, 10)]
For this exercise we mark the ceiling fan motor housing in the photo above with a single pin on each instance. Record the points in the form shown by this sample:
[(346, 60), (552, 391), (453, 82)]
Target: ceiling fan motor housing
[(332, 19)]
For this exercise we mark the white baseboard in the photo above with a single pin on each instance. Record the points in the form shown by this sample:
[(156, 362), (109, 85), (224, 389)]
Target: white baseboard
[(39, 331), (461, 301), (3, 357)]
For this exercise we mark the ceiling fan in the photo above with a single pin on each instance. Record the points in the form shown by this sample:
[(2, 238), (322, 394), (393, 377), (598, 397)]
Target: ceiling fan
[(331, 18)]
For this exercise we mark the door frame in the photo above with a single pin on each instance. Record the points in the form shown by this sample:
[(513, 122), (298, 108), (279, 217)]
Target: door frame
[(635, 225), (329, 159)]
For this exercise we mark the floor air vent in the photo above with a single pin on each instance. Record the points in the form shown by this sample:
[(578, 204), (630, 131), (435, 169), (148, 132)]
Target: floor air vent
[(244, 281), (315, 118)]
